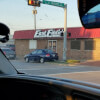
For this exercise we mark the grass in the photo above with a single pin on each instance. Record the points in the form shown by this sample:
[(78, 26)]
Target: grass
[(73, 61)]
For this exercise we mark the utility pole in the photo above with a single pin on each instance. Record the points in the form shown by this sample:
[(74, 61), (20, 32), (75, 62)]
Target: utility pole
[(35, 3), (34, 12), (65, 35)]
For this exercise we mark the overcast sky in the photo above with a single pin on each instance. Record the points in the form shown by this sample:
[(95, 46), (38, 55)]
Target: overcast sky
[(18, 15)]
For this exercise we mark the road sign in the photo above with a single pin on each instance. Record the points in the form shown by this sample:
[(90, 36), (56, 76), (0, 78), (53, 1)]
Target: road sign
[(54, 3), (34, 11)]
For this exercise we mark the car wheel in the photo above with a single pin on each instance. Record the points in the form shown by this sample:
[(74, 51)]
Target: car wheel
[(41, 60), (27, 60)]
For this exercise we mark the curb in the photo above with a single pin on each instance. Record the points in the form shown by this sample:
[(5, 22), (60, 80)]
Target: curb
[(75, 64)]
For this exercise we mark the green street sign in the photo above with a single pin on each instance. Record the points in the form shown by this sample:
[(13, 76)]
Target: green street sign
[(54, 3)]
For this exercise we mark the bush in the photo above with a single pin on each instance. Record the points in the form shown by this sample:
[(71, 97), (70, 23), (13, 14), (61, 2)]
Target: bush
[(73, 61)]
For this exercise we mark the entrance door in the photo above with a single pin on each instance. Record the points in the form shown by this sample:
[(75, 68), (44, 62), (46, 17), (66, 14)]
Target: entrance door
[(52, 44)]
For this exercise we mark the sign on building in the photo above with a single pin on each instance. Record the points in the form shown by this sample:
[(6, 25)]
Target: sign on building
[(49, 33)]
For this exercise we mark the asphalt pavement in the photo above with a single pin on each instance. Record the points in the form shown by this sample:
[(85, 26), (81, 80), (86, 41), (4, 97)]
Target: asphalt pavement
[(83, 72), (50, 68)]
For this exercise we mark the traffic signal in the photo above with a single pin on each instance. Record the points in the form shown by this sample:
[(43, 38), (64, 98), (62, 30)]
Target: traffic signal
[(34, 3), (62, 34), (68, 34)]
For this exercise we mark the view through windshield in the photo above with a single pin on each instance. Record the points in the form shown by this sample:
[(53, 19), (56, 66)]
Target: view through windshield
[(40, 44)]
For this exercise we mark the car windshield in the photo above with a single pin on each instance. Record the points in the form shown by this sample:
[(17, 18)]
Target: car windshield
[(44, 27), (48, 51), (8, 50), (11, 45)]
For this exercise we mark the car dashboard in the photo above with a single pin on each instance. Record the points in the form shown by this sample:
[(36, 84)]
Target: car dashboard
[(39, 88), (22, 90)]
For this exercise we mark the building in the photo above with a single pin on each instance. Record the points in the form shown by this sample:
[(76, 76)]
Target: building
[(83, 43)]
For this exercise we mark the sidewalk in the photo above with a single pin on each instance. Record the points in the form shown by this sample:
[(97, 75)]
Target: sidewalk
[(82, 63), (91, 63)]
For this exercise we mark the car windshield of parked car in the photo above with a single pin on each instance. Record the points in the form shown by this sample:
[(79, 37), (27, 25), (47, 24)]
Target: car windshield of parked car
[(54, 26), (8, 50), (34, 52)]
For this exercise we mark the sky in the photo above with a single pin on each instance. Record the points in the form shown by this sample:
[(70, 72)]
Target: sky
[(17, 15)]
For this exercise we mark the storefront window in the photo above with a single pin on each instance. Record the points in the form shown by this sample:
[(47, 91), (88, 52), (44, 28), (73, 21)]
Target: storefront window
[(75, 44), (90, 45), (52, 44), (32, 44)]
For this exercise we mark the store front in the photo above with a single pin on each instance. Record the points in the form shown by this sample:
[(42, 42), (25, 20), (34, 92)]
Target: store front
[(82, 44)]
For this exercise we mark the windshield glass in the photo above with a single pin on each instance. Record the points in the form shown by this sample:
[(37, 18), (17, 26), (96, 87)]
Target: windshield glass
[(5, 66), (54, 26), (48, 51), (11, 45)]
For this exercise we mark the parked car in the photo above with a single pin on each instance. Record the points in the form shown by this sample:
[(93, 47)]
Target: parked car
[(11, 46), (41, 55), (10, 54)]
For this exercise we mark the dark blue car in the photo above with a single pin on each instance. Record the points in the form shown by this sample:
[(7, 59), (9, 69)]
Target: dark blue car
[(41, 55)]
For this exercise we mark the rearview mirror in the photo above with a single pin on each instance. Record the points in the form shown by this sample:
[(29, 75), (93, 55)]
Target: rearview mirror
[(89, 12)]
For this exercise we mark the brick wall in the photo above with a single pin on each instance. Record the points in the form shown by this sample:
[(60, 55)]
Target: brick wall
[(42, 44), (22, 48), (60, 48), (83, 54), (96, 52)]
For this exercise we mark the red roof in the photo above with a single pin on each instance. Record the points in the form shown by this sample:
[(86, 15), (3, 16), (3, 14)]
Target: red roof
[(84, 33), (25, 34), (92, 33), (76, 32)]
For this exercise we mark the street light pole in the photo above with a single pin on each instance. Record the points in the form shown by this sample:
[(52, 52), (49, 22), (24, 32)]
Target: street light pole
[(34, 12), (65, 35)]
